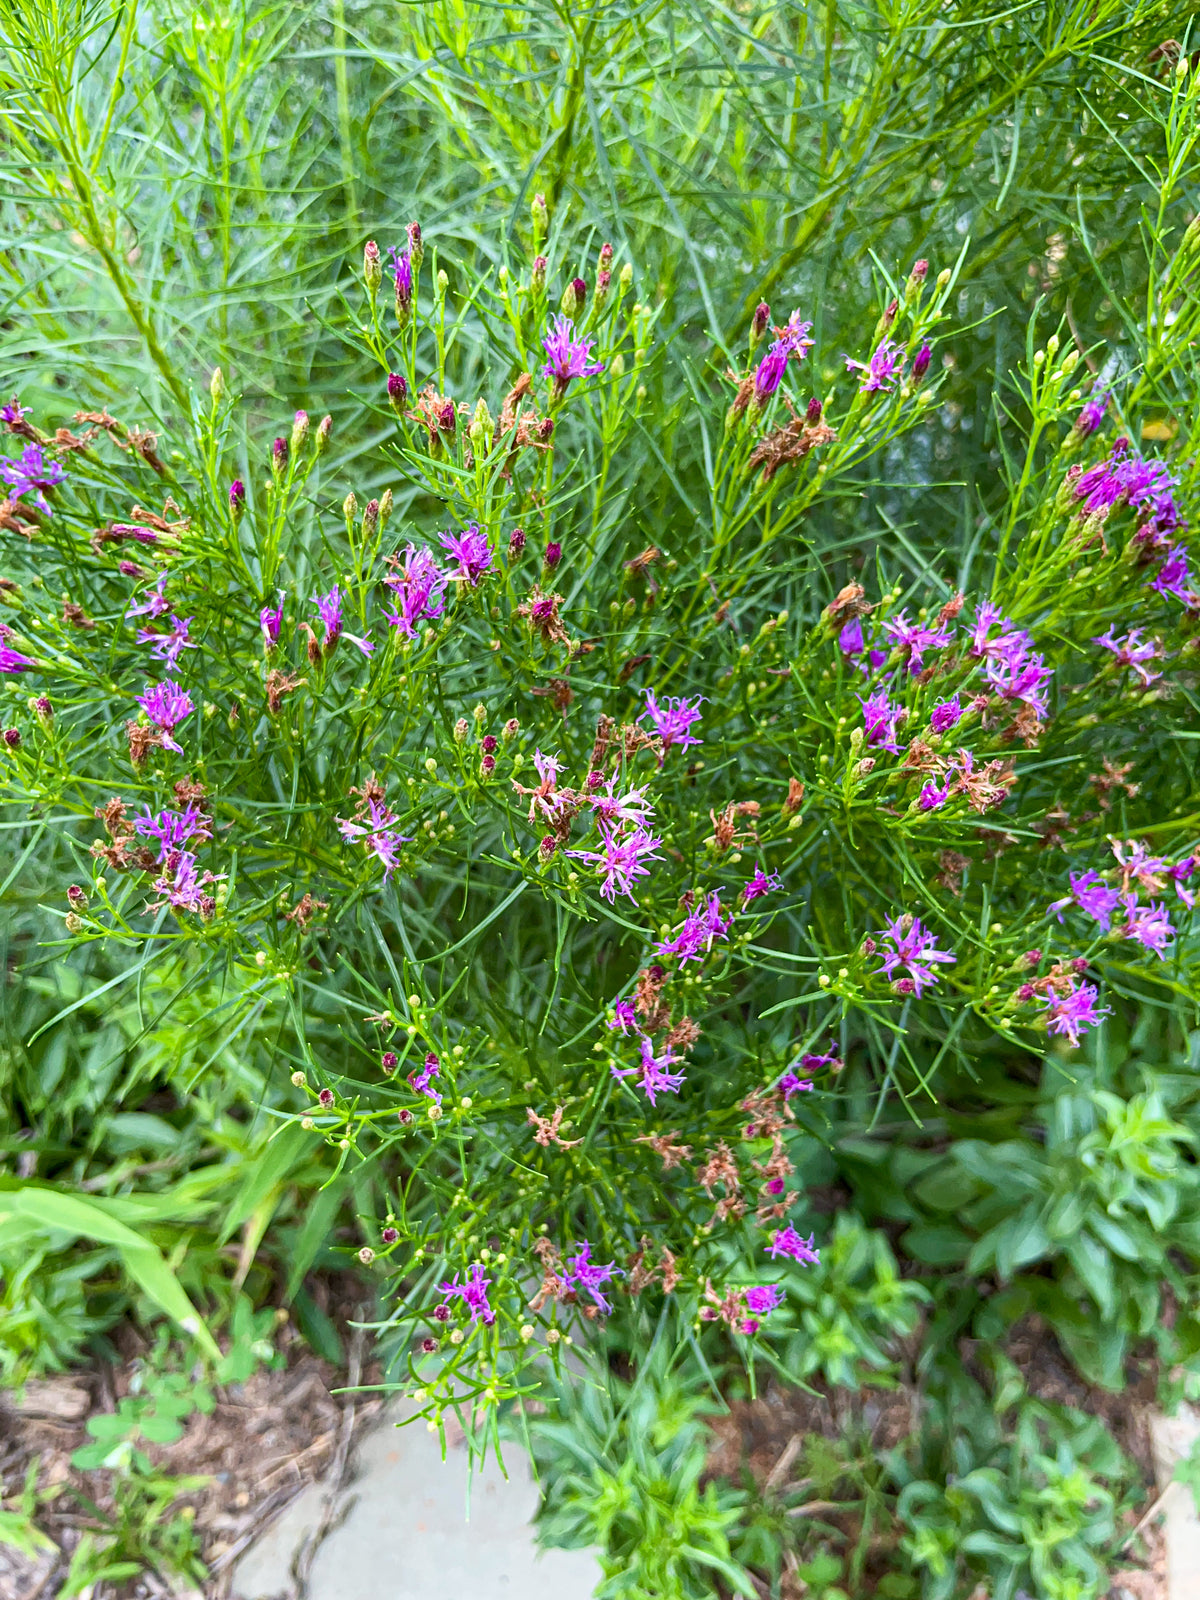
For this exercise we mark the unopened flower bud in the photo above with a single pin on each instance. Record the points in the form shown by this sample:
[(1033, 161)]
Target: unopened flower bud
[(626, 278), (510, 730), (479, 712), (370, 521), (545, 429), (461, 729), (605, 258), (372, 268), (603, 279), (943, 277), (540, 217), (572, 301), (350, 512), (547, 848), (389, 1235), (366, 1255), (537, 276), (298, 1080), (76, 898), (385, 509), (443, 283), (488, 744), (887, 320), (553, 555), (237, 498), (326, 1098), (279, 457), (516, 543), (216, 386), (74, 924), (12, 738), (404, 1116), (416, 246), (759, 322), (324, 433), (487, 765), (812, 412), (921, 362), (480, 430), (42, 709), (300, 431), (397, 390), (130, 569)]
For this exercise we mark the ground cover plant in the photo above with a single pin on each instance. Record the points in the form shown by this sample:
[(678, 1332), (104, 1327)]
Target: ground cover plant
[(527, 761)]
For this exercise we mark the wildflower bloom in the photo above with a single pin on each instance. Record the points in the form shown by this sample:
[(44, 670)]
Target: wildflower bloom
[(173, 829), (619, 860), (269, 619), (760, 884), (237, 497), (155, 602), (1179, 875), (879, 373), (167, 646), (792, 1083), (880, 720), (1148, 925), (166, 705), (14, 661), (1173, 574), (945, 715), (612, 810), (787, 1242), (624, 1017), (1137, 864), (181, 885), (403, 274), (13, 414), (1092, 895), (914, 638), (1091, 413), (329, 609), (29, 474), (697, 931), (655, 1075), (377, 835), (913, 948), (770, 371), (569, 357), (1124, 477), (921, 361), (418, 585), (472, 1291), (673, 719), (1131, 652), (850, 640), (588, 1276), (763, 1299), (421, 1081), (1020, 675), (931, 798), (472, 552), (1074, 1012)]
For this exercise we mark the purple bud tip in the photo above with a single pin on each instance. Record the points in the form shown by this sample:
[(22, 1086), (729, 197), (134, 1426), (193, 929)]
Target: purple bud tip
[(388, 1061), (580, 288), (326, 1097), (1026, 992), (921, 362), (441, 1313), (545, 428), (595, 780), (1032, 957), (762, 316), (516, 542), (447, 417), (540, 264), (606, 254), (43, 706), (487, 765), (812, 412), (428, 1345), (920, 270), (129, 569), (404, 1116), (279, 453), (12, 737), (414, 233), (489, 744), (397, 388), (237, 489), (76, 895), (553, 554), (389, 1235)]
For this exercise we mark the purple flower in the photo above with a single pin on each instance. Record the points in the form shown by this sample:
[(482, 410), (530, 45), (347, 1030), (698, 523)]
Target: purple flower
[(1139, 865), (945, 715), (329, 609), (31, 473), (915, 638), (237, 497), (588, 1275), (472, 1291), (402, 269), (421, 1081), (1126, 478), (672, 720), (155, 602), (624, 1017), (1131, 652), (769, 374), (269, 619), (1173, 574), (613, 810), (763, 1299), (166, 705), (1020, 676), (1091, 413), (914, 947), (850, 640), (619, 861), (791, 1083), (656, 1077), (794, 336), (760, 884), (697, 931), (885, 365), (167, 646), (13, 414), (1074, 1012), (569, 357), (931, 798), (472, 552), (14, 661), (173, 829), (418, 587), (1011, 639), (921, 362), (787, 1242), (180, 885), (1092, 895), (880, 720), (378, 835), (1179, 875), (1148, 925)]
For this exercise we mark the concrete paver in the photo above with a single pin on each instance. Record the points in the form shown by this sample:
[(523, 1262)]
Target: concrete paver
[(407, 1534)]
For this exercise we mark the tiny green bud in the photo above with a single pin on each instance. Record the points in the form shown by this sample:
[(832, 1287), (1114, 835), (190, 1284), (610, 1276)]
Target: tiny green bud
[(216, 386), (350, 512)]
